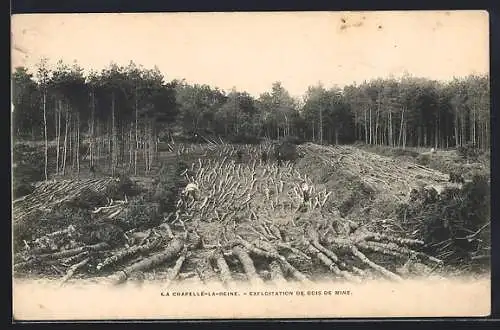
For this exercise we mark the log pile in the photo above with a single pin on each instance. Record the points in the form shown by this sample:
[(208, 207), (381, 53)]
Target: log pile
[(385, 175), (50, 194)]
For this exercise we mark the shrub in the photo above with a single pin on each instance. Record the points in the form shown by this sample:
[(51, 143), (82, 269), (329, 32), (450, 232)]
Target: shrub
[(469, 152), (285, 151), (123, 187), (98, 232), (88, 199), (20, 188), (139, 214), (457, 216), (170, 183), (456, 177), (29, 168), (423, 159)]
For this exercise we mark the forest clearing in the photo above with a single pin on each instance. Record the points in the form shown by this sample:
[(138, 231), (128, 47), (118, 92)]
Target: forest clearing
[(251, 165), (325, 212), (120, 175)]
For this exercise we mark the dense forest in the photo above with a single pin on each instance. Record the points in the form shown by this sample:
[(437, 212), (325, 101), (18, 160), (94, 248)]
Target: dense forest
[(125, 111)]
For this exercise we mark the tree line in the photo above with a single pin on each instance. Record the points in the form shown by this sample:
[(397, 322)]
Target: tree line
[(123, 111)]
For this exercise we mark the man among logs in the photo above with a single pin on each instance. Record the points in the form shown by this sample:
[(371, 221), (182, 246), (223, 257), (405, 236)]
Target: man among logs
[(263, 157), (306, 191), (191, 191), (239, 156), (306, 196)]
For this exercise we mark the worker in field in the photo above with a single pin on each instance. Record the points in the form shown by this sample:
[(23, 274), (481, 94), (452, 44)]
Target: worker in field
[(306, 196), (191, 191), (306, 191), (263, 157), (189, 194), (239, 156)]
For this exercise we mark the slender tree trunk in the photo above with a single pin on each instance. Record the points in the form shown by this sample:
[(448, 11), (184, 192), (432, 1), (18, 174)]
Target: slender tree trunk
[(92, 131), (78, 143), (485, 135), (58, 134), (356, 125), (390, 130), (474, 124), (320, 125), (71, 143), (152, 142), (436, 133), (236, 116), (404, 135), (100, 134), (130, 147), (65, 142), (313, 132), (371, 131), (377, 124), (44, 104), (487, 131), (155, 155), (136, 131), (114, 150), (463, 138), (277, 130), (366, 128), (145, 146)]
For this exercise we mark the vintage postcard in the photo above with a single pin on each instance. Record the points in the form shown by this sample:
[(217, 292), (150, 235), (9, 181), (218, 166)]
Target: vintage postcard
[(251, 165)]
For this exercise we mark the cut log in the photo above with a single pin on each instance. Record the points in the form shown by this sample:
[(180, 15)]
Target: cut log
[(171, 251)]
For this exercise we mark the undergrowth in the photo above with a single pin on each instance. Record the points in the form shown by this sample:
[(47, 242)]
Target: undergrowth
[(454, 223)]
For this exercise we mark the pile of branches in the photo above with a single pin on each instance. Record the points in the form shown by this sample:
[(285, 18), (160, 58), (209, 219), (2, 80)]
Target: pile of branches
[(71, 226), (251, 220), (455, 223), (57, 204), (53, 204), (256, 220)]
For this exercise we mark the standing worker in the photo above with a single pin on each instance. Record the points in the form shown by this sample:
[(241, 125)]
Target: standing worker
[(263, 157), (239, 156), (305, 191)]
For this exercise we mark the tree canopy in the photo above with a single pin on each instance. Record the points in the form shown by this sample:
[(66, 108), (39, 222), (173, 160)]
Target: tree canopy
[(407, 111)]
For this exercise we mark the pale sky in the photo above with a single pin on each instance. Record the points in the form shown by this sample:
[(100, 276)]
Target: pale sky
[(252, 50)]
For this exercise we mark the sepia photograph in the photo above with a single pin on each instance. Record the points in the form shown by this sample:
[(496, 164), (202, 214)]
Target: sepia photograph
[(249, 165)]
